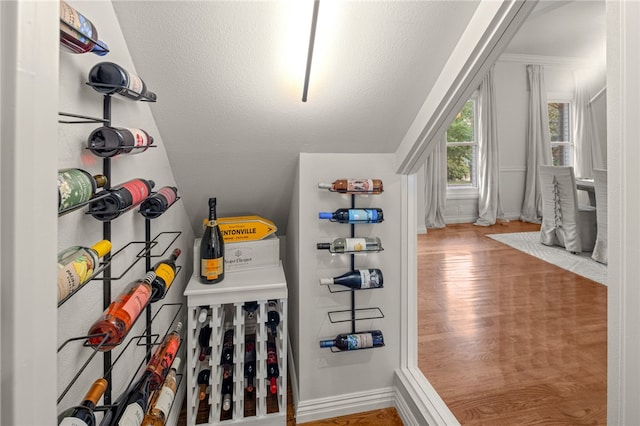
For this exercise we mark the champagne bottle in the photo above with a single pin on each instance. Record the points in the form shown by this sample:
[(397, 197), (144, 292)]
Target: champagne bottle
[(110, 78), (121, 199), (354, 186), (118, 318), (130, 407), (204, 341), (76, 186), (249, 364), (357, 279), (351, 245), (163, 399), (273, 371), (83, 414), (159, 202), (76, 31), (353, 215), (163, 357), (203, 382), (350, 342), (212, 249), (76, 265), (273, 317), (111, 141), (165, 274)]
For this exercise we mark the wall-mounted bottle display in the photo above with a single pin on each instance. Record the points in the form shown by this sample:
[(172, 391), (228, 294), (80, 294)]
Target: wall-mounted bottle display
[(117, 319), (110, 78), (77, 33), (121, 199), (354, 186), (158, 203), (352, 245), (76, 187), (83, 414), (163, 357), (354, 341), (77, 264), (354, 216), (212, 249), (165, 274), (357, 279), (162, 400), (111, 141)]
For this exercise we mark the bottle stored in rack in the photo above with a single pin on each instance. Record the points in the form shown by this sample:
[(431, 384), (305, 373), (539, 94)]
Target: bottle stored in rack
[(204, 341), (131, 405), (159, 202), (354, 341), (111, 141), (76, 32), (165, 274), (77, 264), (163, 399), (121, 199), (273, 371), (203, 383), (77, 186), (354, 216), (163, 357), (84, 414), (354, 186), (357, 279), (110, 78), (352, 245)]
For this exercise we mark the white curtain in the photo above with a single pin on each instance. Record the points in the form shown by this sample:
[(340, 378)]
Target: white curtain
[(489, 206), (435, 190), (588, 154), (538, 144)]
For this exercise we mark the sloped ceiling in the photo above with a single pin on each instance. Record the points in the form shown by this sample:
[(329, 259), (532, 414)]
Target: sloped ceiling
[(228, 75)]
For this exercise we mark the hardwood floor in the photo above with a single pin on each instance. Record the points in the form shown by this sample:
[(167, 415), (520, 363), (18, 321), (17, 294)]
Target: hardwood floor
[(506, 338)]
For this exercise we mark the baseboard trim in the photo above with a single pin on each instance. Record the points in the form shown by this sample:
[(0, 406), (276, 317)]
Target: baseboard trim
[(345, 404)]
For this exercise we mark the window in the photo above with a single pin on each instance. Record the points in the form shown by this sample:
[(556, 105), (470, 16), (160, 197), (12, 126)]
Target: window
[(462, 149), (560, 131)]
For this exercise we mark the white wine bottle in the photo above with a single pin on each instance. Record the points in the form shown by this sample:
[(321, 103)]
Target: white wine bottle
[(352, 245), (77, 264), (357, 279), (212, 249)]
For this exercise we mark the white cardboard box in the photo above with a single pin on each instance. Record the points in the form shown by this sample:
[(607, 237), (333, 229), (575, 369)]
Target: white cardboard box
[(244, 255)]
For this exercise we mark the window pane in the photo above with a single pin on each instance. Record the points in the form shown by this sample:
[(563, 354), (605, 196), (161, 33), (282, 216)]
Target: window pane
[(461, 165), (461, 130), (559, 121), (560, 155)]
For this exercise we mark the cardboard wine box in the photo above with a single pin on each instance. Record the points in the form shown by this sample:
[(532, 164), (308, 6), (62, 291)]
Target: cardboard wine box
[(244, 255)]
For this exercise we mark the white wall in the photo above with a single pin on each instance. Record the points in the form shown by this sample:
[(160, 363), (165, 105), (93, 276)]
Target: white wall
[(76, 228), (331, 384)]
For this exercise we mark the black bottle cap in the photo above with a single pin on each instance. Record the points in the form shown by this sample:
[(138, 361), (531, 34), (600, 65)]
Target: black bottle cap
[(324, 246)]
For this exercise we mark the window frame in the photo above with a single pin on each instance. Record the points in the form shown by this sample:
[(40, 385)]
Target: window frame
[(471, 190), (570, 144)]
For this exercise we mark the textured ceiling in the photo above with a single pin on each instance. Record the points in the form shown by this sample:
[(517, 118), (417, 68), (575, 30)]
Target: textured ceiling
[(229, 80)]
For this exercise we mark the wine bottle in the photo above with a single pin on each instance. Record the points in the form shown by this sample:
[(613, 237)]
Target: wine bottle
[(76, 265), (83, 414), (203, 382), (165, 274), (357, 279), (351, 245), (353, 215), (204, 341), (273, 317), (212, 249), (121, 199), (110, 78), (273, 371), (76, 31), (354, 341), (130, 407), (163, 399), (203, 314), (249, 364), (76, 186), (226, 357), (111, 141), (227, 393), (159, 202), (163, 357), (251, 309), (354, 186), (118, 318)]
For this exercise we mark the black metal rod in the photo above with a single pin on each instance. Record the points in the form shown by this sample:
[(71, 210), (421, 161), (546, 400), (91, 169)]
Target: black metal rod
[(147, 238), (106, 234), (312, 39), (353, 267)]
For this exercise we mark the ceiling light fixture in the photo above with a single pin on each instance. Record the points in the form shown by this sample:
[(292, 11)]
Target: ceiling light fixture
[(312, 37)]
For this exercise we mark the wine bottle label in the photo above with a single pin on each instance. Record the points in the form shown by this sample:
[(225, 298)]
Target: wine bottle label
[(133, 306), (359, 341), (164, 401), (81, 26), (169, 194), (72, 421), (74, 188), (360, 185), (363, 215), (166, 272), (211, 268), (135, 83), (132, 416), (138, 190), (140, 138), (368, 279), (355, 244), (73, 275)]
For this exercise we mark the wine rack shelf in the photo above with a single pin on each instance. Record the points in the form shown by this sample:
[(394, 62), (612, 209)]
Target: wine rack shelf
[(225, 302)]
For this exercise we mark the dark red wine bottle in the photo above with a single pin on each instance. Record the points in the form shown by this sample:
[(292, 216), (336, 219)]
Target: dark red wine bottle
[(226, 357), (212, 249), (249, 364), (203, 383), (78, 34), (159, 202), (110, 78), (121, 199), (354, 215), (273, 316), (273, 371), (204, 341), (165, 274), (111, 141)]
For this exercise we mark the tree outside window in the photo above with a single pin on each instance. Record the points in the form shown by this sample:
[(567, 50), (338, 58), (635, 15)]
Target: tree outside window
[(560, 133), (462, 148)]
